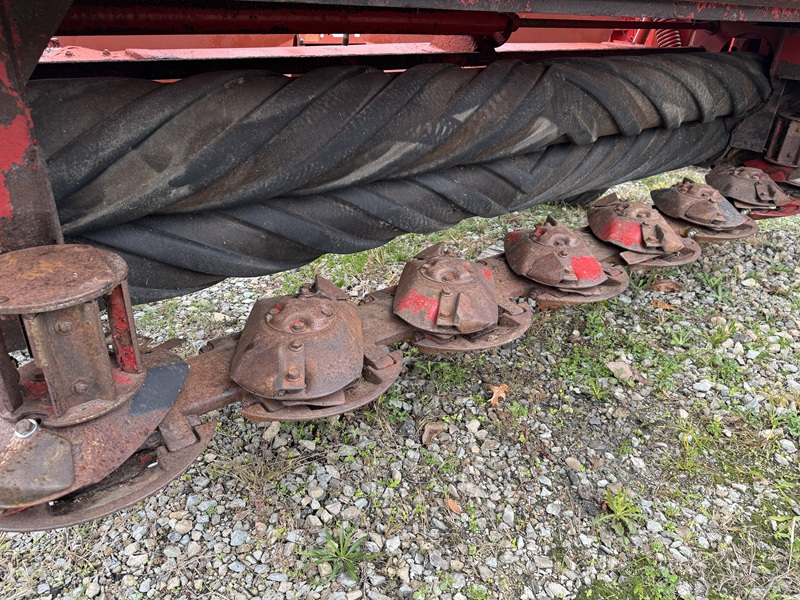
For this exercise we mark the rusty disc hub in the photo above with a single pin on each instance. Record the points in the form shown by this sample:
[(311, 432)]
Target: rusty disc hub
[(553, 255), (748, 188), (302, 357), (445, 295), (644, 238), (74, 413), (699, 211)]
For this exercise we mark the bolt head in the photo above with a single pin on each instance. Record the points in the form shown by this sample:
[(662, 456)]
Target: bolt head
[(295, 345), (79, 388), (293, 374), (64, 326), (692, 233), (327, 311), (26, 428)]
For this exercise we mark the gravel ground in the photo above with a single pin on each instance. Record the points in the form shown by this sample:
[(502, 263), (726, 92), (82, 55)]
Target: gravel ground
[(672, 473)]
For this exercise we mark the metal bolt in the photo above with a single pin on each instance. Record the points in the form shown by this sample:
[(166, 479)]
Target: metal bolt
[(692, 232), (295, 345), (305, 290), (68, 53), (447, 278), (274, 310), (563, 253), (106, 52), (444, 314), (298, 326), (80, 388), (446, 291), (327, 311), (745, 211), (293, 374), (26, 428), (64, 326)]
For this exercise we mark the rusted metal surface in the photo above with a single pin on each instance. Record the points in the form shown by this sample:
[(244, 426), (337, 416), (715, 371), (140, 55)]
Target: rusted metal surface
[(784, 142), (27, 210), (644, 238), (133, 19), (778, 11), (75, 413), (49, 278), (443, 294), (72, 379), (700, 212), (141, 475), (553, 255), (608, 253), (748, 188), (301, 349), (513, 321), (368, 388), (95, 448), (73, 62)]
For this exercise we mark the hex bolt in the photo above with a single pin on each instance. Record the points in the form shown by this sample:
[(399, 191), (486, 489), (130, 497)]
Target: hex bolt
[(305, 290), (26, 428), (64, 326), (692, 233), (446, 291), (327, 311), (274, 310), (295, 345), (293, 374), (745, 211), (298, 326), (79, 388), (447, 278), (563, 253)]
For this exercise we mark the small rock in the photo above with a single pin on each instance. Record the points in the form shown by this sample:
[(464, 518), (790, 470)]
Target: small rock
[(702, 386), (554, 508), (92, 590), (557, 590), (574, 464), (238, 537), (788, 446), (271, 432), (392, 545), (508, 516)]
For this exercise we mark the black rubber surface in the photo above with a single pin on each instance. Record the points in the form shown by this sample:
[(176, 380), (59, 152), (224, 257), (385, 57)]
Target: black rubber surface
[(174, 254), (247, 173)]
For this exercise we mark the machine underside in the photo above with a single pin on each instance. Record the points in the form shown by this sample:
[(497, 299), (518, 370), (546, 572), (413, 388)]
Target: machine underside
[(153, 149)]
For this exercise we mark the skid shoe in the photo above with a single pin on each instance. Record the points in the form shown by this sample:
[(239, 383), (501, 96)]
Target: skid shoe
[(71, 417), (700, 212), (453, 304), (303, 357), (562, 268), (635, 235), (753, 192)]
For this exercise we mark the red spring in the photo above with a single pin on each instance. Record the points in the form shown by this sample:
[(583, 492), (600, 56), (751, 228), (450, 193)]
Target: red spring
[(668, 38)]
